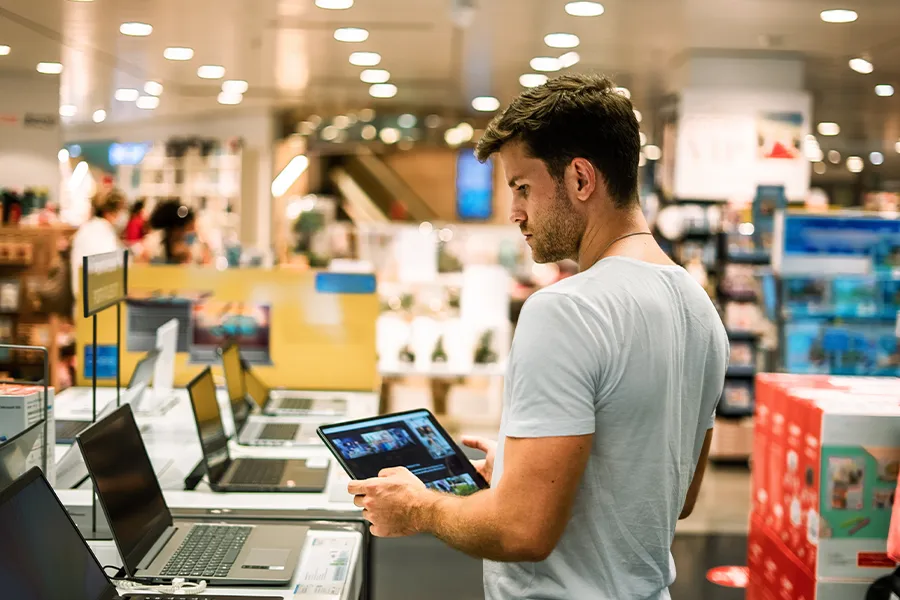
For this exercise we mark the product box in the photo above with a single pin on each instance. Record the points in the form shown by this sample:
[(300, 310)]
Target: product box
[(845, 349), (20, 407)]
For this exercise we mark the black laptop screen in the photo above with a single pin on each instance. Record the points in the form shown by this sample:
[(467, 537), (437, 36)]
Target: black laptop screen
[(42, 555), (126, 484), (234, 382), (213, 440)]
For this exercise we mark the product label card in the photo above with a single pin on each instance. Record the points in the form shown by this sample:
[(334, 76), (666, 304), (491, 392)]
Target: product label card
[(104, 279)]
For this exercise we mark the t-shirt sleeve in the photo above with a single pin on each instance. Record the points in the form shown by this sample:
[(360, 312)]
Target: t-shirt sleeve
[(554, 370)]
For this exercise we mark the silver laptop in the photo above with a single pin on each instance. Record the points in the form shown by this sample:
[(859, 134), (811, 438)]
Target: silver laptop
[(153, 545)]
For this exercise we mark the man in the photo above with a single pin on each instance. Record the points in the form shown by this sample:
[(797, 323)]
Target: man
[(613, 377)]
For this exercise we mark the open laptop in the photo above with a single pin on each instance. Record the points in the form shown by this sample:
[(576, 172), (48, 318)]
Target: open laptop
[(278, 402), (154, 546), (43, 555), (259, 430), (15, 451), (135, 393), (244, 474), (164, 371)]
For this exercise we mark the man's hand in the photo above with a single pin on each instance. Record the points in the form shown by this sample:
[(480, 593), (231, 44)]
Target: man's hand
[(393, 502), (484, 467)]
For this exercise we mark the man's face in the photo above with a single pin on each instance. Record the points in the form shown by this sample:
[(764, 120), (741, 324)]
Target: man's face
[(551, 222)]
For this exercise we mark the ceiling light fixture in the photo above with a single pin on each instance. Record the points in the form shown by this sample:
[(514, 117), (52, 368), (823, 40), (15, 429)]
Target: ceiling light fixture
[(623, 91), (383, 90), (389, 135), (153, 88), (828, 128), (136, 29), (638, 115), (652, 152), (235, 86), (351, 35), (147, 102), (407, 121), (584, 9), (49, 68), (127, 95), (368, 132), (562, 40), (820, 168), (365, 59), (178, 53), (4, 50), (569, 59), (897, 147), (876, 158), (861, 65), (466, 131), (531, 80), (334, 4), (63, 155), (838, 15), (642, 137), (855, 164), (67, 110), (884, 90), (375, 76), (99, 116), (291, 172), (485, 103), (546, 64), (834, 157), (211, 72), (229, 98)]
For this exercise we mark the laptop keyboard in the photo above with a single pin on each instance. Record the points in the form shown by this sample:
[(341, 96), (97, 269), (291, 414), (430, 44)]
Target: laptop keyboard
[(207, 551), (258, 472), (295, 404), (279, 431)]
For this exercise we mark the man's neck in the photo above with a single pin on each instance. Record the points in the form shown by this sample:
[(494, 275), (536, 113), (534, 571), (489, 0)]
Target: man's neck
[(604, 230)]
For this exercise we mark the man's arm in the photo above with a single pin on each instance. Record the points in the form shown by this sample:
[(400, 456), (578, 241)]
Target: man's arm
[(697, 480)]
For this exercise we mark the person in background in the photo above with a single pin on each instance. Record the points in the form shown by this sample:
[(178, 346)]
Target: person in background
[(100, 233), (136, 228), (175, 233)]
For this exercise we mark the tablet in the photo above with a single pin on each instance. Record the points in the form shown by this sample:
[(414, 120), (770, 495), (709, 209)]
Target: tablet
[(412, 439)]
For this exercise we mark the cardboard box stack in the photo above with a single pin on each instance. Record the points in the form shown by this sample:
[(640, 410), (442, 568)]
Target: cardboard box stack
[(825, 466), (20, 407)]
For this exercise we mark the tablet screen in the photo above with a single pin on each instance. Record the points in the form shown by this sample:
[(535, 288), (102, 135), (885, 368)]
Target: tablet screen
[(411, 439)]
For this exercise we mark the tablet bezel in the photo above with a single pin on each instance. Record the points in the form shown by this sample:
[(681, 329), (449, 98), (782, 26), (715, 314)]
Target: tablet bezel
[(469, 467)]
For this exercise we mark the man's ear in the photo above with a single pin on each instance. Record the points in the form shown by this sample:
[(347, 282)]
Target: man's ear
[(583, 178)]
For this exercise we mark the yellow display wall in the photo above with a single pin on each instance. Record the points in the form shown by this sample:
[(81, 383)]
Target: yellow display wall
[(317, 340)]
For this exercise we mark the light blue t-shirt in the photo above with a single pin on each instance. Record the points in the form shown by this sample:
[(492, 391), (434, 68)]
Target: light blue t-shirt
[(634, 353)]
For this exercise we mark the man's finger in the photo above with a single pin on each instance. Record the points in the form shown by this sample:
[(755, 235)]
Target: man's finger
[(391, 471), (358, 500), (476, 443), (359, 487)]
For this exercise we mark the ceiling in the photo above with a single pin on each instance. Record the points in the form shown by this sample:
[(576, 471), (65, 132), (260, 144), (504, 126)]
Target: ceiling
[(285, 50)]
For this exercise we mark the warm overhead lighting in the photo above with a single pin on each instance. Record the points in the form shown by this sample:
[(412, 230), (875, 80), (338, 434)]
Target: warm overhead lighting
[(389, 135), (178, 53), (820, 168), (375, 76), (562, 40), (485, 103), (284, 180), (365, 59), (147, 102), (642, 159), (334, 4), (897, 147), (368, 132), (407, 121), (623, 91), (4, 50), (584, 9), (63, 155), (839, 15), (211, 72), (99, 116), (642, 137), (652, 152), (855, 164), (383, 90), (49, 68), (638, 115), (229, 98), (235, 86), (466, 131), (366, 115), (352, 35), (861, 65), (834, 157), (829, 128), (876, 158), (67, 110), (153, 88), (545, 63), (136, 29), (127, 95), (569, 59), (531, 80), (79, 173), (884, 90)]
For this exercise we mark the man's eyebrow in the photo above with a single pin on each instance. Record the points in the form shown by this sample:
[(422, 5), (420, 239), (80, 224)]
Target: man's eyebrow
[(514, 182)]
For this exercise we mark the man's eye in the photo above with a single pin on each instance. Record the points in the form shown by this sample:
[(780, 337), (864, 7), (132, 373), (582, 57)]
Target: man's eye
[(523, 189)]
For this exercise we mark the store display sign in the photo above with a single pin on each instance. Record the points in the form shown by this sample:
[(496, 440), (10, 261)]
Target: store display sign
[(106, 362), (474, 187), (127, 154), (104, 281)]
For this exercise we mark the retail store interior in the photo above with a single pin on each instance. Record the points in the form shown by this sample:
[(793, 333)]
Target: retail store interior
[(277, 204)]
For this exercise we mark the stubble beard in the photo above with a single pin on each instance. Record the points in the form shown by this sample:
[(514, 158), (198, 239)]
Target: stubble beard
[(560, 235)]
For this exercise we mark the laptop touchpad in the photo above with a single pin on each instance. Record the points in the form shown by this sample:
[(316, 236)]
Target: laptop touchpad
[(272, 559)]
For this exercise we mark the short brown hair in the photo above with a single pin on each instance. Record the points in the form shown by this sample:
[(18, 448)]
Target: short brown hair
[(574, 116), (107, 201)]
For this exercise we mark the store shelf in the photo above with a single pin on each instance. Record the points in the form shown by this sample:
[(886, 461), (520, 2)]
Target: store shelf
[(753, 257), (395, 369), (742, 372), (742, 336), (856, 313)]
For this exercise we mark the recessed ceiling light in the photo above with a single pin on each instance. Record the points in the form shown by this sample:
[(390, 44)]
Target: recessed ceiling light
[(642, 158), (861, 65), (136, 29), (834, 157), (897, 147), (855, 164), (63, 155), (235, 86), (562, 40), (153, 88), (642, 137), (652, 152), (352, 35), (383, 90), (368, 132), (334, 4), (876, 158), (127, 95), (545, 63), (485, 103), (407, 121), (147, 102), (389, 135), (178, 53), (569, 59), (838, 15), (623, 91), (638, 115), (820, 168), (4, 50), (884, 90), (366, 115), (466, 131), (67, 110), (229, 99), (211, 72), (49, 68), (531, 80), (829, 128), (365, 59), (99, 116), (375, 76), (584, 9)]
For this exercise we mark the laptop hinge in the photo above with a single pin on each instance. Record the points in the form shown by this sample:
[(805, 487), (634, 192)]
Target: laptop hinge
[(156, 548)]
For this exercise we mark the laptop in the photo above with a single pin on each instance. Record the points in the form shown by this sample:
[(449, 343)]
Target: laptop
[(164, 371), (281, 402), (68, 429), (259, 430), (244, 474), (15, 451), (43, 555), (154, 546)]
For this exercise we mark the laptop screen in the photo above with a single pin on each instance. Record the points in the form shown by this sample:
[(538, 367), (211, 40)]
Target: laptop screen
[(42, 555), (126, 484), (14, 454), (234, 382), (213, 440), (167, 344)]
